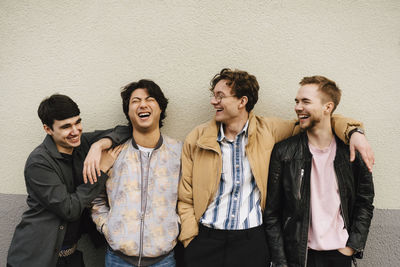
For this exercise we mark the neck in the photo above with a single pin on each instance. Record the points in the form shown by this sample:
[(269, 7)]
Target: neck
[(232, 128), (320, 135), (147, 139)]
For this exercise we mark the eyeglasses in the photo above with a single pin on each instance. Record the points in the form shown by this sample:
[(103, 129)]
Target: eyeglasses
[(219, 97)]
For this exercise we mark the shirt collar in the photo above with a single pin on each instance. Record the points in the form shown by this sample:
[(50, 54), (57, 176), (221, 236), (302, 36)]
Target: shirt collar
[(221, 134)]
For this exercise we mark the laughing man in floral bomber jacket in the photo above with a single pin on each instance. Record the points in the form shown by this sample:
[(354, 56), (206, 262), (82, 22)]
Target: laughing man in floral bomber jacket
[(137, 215)]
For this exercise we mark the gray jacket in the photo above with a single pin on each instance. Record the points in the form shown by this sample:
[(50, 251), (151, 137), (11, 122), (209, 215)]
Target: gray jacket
[(52, 202)]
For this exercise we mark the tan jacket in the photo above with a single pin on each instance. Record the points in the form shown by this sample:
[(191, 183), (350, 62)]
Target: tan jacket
[(202, 163)]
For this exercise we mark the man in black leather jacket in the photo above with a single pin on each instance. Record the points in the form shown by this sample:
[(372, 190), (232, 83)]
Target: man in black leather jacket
[(311, 218)]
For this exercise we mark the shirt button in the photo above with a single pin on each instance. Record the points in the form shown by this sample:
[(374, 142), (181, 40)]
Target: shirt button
[(235, 198), (237, 182), (61, 227), (233, 216)]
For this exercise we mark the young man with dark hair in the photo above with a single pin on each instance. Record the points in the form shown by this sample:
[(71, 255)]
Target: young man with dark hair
[(319, 205), (137, 213), (222, 191), (51, 227)]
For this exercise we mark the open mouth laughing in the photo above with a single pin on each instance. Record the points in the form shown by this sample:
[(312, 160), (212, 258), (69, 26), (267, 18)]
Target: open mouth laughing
[(144, 115), (302, 117)]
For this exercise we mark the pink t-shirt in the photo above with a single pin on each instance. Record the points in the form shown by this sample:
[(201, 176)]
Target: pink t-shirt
[(326, 230)]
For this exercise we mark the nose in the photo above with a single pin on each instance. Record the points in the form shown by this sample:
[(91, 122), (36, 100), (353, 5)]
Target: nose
[(213, 100), (75, 129), (143, 103), (298, 107)]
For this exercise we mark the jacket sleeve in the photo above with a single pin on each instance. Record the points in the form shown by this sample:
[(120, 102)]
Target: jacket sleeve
[(363, 208), (189, 226), (117, 135), (273, 211), (100, 210), (343, 125), (283, 129), (44, 185)]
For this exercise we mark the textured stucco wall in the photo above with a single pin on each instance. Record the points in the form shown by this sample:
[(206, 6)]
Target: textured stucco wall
[(89, 49)]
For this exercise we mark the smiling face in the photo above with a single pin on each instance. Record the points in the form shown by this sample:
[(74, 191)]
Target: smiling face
[(230, 107), (66, 134), (309, 107), (144, 111)]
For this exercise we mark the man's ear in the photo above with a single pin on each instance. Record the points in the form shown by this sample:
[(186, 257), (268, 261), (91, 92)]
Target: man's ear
[(329, 107), (47, 129), (243, 102)]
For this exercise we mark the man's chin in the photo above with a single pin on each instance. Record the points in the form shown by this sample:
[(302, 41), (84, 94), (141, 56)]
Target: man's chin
[(218, 118), (75, 144), (304, 127)]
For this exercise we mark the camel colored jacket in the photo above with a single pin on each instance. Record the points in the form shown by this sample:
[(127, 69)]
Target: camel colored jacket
[(202, 163)]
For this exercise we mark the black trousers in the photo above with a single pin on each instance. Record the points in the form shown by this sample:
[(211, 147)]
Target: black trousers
[(228, 248), (328, 258), (73, 260)]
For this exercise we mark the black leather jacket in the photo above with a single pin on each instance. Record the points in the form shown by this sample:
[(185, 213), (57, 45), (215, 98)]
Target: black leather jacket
[(286, 216)]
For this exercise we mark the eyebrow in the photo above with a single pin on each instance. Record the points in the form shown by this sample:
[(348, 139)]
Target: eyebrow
[(147, 97), (302, 99), (67, 125)]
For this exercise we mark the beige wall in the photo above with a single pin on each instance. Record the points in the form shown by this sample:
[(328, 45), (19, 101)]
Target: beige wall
[(89, 49)]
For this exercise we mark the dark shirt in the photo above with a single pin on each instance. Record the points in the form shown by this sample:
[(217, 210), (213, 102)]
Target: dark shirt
[(73, 232)]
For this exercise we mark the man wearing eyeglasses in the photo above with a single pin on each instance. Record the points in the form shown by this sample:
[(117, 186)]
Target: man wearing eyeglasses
[(222, 191)]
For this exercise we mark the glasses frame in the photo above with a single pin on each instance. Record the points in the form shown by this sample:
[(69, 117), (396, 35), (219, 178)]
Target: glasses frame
[(220, 97)]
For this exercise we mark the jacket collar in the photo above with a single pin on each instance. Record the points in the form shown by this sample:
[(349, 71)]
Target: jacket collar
[(51, 147), (339, 144), (208, 139), (221, 134), (158, 145)]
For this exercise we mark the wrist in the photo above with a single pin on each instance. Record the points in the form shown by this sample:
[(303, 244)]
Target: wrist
[(103, 144), (355, 130)]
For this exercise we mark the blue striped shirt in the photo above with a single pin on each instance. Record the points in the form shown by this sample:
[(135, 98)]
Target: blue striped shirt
[(236, 204)]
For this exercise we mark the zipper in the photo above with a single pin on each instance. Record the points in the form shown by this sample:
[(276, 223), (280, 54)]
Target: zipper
[(300, 183), (145, 182), (286, 222)]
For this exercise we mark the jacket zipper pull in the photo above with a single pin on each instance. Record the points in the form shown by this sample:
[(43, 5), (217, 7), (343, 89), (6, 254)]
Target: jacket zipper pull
[(300, 182)]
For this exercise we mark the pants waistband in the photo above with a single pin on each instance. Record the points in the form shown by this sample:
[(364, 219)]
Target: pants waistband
[(230, 234)]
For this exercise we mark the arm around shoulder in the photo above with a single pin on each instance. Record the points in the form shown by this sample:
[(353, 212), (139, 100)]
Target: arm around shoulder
[(343, 125)]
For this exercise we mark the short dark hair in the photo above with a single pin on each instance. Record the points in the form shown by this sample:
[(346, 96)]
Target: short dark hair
[(242, 84), (152, 89), (328, 88), (57, 107)]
